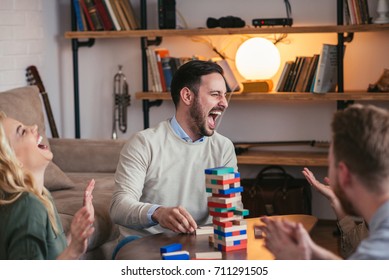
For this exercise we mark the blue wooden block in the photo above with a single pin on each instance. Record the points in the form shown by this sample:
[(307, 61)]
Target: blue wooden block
[(232, 190), (171, 248), (219, 170), (179, 255)]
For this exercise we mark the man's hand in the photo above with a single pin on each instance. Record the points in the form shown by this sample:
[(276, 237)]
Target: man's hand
[(176, 219), (287, 240)]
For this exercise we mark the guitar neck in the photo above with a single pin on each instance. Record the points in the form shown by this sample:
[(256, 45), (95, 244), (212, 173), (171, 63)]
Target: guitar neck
[(33, 78), (50, 116)]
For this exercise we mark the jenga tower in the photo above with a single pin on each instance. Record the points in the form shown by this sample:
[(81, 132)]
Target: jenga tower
[(225, 206)]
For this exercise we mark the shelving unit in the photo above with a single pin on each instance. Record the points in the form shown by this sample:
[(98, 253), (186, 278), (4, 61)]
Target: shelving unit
[(150, 99)]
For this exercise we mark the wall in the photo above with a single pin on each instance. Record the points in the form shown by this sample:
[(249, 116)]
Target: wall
[(21, 40), (365, 59)]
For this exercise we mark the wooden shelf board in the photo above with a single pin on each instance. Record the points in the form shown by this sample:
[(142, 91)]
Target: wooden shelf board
[(289, 158), (226, 31), (284, 96)]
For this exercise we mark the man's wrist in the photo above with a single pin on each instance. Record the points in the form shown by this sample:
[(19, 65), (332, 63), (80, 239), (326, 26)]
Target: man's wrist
[(150, 214)]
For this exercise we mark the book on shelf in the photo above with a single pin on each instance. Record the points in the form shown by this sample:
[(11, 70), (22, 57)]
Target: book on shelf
[(284, 75), (357, 12), (327, 70), (311, 73), (302, 77), (299, 74), (229, 76), (292, 74), (87, 16), (129, 14), (167, 72), (296, 77), (160, 71), (153, 70), (94, 16), (117, 15), (104, 15), (163, 56), (121, 16), (78, 12), (112, 15)]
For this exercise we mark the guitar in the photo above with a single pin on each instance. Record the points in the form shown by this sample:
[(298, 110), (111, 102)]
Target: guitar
[(241, 147), (34, 79)]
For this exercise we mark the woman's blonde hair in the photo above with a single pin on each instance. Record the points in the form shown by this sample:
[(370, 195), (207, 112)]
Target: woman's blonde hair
[(14, 180)]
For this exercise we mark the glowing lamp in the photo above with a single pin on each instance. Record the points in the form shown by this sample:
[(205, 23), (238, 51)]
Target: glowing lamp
[(257, 60)]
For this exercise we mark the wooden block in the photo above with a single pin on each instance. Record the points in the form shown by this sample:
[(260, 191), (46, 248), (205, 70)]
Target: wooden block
[(227, 195), (222, 224), (210, 185), (177, 255), (211, 239), (171, 248), (232, 190), (204, 230), (223, 215), (230, 242), (231, 248), (222, 210), (242, 212), (219, 170), (229, 219), (231, 238), (239, 222), (224, 200), (219, 205), (219, 177), (225, 182), (230, 229), (208, 255), (258, 233), (231, 233)]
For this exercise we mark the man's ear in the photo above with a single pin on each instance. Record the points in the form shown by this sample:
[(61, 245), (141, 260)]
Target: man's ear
[(344, 175), (186, 96)]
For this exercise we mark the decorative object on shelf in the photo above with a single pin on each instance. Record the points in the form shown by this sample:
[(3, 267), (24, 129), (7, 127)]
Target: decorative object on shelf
[(226, 22), (382, 85), (257, 60), (121, 102), (382, 11)]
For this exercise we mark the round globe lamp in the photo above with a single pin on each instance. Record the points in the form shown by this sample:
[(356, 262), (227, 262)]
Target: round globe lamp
[(257, 60)]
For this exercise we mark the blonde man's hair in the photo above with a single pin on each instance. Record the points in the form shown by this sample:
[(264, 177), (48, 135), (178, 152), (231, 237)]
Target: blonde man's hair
[(14, 180), (361, 140)]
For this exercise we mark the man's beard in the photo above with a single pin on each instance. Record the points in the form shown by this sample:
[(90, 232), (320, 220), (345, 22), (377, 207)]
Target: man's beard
[(344, 201), (199, 120)]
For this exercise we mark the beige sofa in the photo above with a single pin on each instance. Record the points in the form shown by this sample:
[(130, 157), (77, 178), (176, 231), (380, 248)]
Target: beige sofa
[(76, 161)]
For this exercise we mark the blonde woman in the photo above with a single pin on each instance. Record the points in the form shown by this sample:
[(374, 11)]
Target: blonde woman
[(29, 222)]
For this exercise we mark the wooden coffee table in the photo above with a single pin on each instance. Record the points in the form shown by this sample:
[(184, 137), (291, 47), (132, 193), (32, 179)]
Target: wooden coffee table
[(148, 248)]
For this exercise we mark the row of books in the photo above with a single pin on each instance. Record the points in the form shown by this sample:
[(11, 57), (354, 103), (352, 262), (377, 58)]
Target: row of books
[(357, 12), (99, 15), (317, 73), (162, 67)]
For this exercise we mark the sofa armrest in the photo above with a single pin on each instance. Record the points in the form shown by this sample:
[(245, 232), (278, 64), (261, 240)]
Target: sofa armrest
[(86, 155)]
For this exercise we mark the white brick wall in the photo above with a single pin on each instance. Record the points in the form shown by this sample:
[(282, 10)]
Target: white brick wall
[(21, 40)]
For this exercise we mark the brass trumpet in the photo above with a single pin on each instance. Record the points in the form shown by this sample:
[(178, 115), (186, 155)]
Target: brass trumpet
[(121, 102)]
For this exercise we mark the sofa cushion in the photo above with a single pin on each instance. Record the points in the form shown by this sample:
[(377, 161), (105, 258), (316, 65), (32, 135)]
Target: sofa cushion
[(68, 202), (24, 104)]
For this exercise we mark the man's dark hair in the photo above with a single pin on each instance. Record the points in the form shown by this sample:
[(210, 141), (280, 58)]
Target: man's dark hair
[(189, 75)]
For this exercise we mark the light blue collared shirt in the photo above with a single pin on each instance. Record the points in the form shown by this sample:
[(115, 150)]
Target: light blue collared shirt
[(184, 136), (180, 132)]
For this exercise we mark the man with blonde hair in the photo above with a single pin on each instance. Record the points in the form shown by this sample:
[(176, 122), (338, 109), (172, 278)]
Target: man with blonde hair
[(359, 175)]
